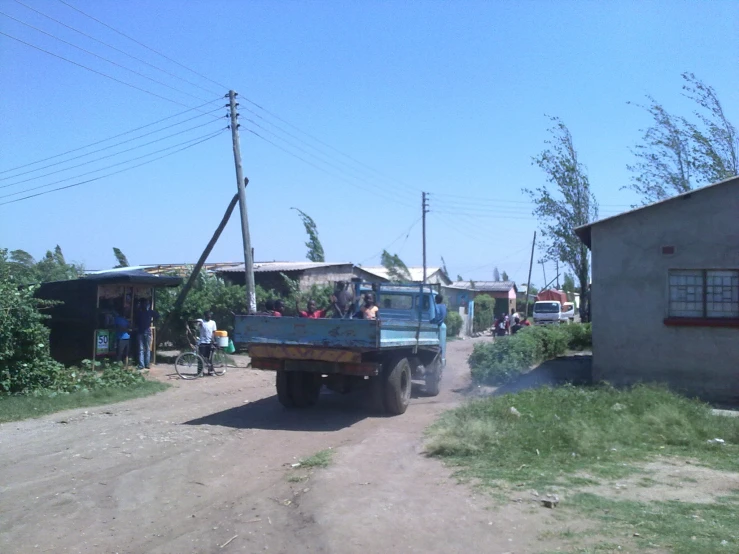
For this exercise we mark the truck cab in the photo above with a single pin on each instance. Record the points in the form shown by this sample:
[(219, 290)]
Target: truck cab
[(382, 357), (547, 312)]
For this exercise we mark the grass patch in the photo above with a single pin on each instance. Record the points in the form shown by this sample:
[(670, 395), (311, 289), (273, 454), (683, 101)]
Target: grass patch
[(319, 459), (297, 478), (680, 527), (14, 408), (565, 431)]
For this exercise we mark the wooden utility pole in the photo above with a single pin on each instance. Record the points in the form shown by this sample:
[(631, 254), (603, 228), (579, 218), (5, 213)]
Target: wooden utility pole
[(528, 284), (424, 211), (557, 266), (544, 270), (251, 299)]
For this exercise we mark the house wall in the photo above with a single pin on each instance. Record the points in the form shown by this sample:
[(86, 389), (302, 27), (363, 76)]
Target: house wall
[(325, 276), (631, 342)]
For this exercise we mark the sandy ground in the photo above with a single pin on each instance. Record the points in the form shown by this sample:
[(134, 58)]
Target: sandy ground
[(208, 460)]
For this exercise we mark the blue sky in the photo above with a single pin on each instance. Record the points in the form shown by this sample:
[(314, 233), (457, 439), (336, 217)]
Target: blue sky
[(446, 97)]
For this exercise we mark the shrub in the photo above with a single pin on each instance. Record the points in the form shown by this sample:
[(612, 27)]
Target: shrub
[(505, 359), (453, 323), (484, 313)]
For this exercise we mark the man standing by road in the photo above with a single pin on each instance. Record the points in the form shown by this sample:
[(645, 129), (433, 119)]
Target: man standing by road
[(440, 310), (124, 338), (144, 317), (206, 341)]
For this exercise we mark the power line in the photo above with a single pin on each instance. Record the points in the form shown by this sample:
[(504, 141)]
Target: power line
[(94, 70), (103, 157), (113, 173), (106, 167), (319, 167), (477, 200), (109, 138), (407, 233), (143, 45), (328, 163), (116, 49), (107, 148), (102, 57)]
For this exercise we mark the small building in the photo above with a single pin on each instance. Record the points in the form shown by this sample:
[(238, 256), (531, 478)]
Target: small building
[(268, 275), (434, 275), (81, 321), (665, 293), (460, 293)]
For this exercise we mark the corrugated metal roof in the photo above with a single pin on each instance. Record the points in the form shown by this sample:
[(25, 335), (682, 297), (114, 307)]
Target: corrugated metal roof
[(281, 266), (484, 286), (415, 272)]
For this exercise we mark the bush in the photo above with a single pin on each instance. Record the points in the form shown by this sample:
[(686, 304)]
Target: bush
[(484, 313), (453, 323), (505, 359)]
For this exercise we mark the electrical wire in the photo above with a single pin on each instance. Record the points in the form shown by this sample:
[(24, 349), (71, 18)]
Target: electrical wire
[(106, 167), (106, 156), (106, 148), (407, 233), (328, 163), (110, 138), (116, 49), (478, 200), (143, 45), (113, 173), (102, 57), (320, 168), (94, 70)]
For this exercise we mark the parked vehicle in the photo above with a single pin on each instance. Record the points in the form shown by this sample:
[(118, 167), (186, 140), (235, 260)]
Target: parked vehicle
[(568, 312), (381, 357), (547, 312)]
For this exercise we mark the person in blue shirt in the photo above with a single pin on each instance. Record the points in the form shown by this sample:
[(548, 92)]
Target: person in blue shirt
[(440, 310), (144, 317), (124, 338)]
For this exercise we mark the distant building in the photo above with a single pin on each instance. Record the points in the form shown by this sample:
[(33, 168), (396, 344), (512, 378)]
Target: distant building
[(665, 293), (269, 274), (460, 293)]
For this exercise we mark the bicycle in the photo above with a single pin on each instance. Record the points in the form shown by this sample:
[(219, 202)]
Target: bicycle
[(191, 364)]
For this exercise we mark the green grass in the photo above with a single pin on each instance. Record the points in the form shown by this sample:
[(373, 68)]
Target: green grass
[(13, 408), (667, 526), (569, 430), (319, 459)]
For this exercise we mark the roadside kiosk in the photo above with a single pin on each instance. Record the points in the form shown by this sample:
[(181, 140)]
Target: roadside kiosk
[(82, 323)]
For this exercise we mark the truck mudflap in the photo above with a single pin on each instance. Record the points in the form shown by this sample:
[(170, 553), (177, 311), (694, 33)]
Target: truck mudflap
[(364, 369)]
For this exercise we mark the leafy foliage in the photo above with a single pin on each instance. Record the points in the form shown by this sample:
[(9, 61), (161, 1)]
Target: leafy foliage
[(315, 249), (676, 154), (569, 284), (504, 276), (567, 204), (496, 274), (459, 277), (25, 270), (120, 257), (505, 359), (484, 313), (453, 322), (397, 270)]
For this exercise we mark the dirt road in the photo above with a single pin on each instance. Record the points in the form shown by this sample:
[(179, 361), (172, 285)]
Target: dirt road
[(209, 460)]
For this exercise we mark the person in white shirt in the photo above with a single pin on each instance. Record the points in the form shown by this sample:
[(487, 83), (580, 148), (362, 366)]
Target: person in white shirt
[(206, 341)]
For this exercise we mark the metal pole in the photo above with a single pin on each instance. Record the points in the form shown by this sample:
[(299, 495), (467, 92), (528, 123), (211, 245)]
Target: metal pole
[(423, 216), (251, 299), (528, 284), (557, 266)]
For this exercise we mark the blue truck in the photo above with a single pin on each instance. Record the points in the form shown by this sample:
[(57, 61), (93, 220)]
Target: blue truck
[(382, 357)]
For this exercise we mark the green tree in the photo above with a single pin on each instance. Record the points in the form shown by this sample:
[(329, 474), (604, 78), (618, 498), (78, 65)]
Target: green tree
[(564, 203), (315, 249), (504, 276), (397, 271), (459, 277), (569, 284), (53, 267), (120, 258), (443, 267), (496, 274), (676, 154)]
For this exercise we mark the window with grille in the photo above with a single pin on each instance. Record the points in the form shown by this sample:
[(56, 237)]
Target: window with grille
[(704, 293)]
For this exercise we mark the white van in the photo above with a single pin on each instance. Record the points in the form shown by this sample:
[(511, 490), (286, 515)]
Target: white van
[(568, 312), (547, 312)]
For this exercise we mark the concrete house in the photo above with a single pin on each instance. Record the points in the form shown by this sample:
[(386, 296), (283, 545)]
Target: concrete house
[(665, 293), (434, 275), (460, 293)]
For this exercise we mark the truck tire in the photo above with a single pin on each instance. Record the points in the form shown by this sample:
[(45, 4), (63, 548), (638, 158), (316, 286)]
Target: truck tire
[(397, 387), (433, 379), (304, 389), (283, 385)]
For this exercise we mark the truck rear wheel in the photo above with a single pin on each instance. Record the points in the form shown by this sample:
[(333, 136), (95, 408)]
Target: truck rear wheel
[(284, 394), (397, 387), (433, 379), (304, 389)]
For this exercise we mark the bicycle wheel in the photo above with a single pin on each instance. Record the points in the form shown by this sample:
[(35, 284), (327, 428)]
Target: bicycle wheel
[(219, 362), (189, 365)]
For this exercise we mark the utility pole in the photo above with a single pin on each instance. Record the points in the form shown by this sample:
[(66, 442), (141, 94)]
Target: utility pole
[(544, 270), (557, 265), (424, 211), (251, 299), (528, 284)]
